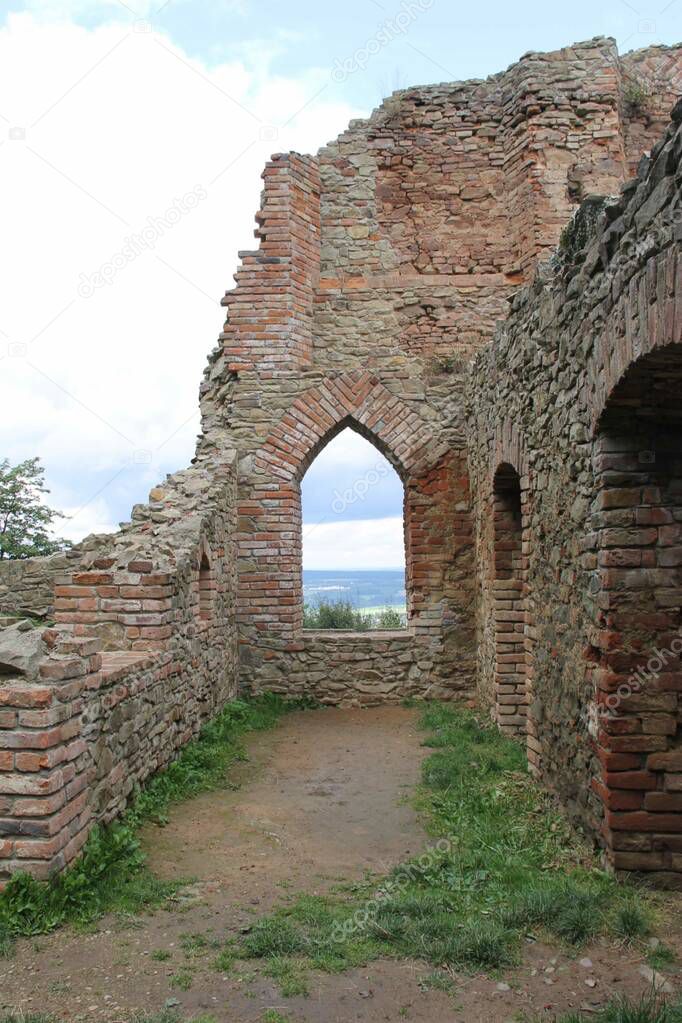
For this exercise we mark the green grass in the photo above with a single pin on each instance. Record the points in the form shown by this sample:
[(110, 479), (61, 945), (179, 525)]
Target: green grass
[(272, 1016), (182, 980), (503, 863), (661, 957), (649, 1009), (32, 1017), (289, 975), (111, 875), (164, 1016)]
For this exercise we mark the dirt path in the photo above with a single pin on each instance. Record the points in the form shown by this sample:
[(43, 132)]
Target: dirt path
[(324, 797)]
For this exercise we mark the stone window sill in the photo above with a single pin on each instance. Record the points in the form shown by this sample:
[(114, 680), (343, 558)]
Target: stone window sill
[(367, 637)]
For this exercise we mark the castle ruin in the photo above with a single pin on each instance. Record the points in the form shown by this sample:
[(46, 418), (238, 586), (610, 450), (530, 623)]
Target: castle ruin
[(483, 279)]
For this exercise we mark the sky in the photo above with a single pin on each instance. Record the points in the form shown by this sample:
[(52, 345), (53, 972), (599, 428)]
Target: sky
[(132, 138)]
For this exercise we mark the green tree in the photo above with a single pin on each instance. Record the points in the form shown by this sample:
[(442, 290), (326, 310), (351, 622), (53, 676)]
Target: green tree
[(25, 521)]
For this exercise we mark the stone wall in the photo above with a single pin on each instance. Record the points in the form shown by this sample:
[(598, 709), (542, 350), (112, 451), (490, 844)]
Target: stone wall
[(384, 264), (143, 653), (321, 669), (579, 393), (27, 586)]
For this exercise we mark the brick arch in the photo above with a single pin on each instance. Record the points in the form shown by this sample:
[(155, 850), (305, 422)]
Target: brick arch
[(636, 654), (509, 448), (511, 599), (270, 598), (359, 400), (646, 319)]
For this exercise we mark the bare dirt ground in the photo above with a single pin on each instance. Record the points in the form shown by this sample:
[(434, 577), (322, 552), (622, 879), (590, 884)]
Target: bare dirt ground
[(323, 798)]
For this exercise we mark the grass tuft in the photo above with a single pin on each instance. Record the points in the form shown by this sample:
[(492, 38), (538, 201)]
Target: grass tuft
[(289, 975), (32, 1017), (274, 936), (632, 921), (649, 1009)]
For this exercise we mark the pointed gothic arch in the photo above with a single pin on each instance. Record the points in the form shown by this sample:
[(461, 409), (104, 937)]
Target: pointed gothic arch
[(270, 514)]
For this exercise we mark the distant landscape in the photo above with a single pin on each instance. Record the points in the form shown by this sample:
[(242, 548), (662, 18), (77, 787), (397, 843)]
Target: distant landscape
[(354, 600), (366, 590)]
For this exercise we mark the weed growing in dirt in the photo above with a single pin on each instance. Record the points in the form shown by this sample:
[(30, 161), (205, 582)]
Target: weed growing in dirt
[(272, 1016), (31, 1018), (6, 943), (437, 981), (289, 975), (632, 921), (660, 956), (170, 1016), (650, 1009), (511, 865), (165, 1016), (197, 945), (182, 980), (111, 874)]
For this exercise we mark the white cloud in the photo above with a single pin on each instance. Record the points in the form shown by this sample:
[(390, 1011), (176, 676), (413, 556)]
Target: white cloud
[(100, 130), (93, 518), (363, 543)]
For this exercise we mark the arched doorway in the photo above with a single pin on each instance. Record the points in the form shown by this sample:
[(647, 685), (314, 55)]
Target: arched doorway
[(638, 516)]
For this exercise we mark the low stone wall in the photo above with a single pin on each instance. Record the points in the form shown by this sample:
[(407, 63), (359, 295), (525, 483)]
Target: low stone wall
[(363, 669), (27, 586)]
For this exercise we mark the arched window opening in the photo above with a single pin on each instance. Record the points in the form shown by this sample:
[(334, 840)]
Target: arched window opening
[(509, 604), (206, 589), (353, 538)]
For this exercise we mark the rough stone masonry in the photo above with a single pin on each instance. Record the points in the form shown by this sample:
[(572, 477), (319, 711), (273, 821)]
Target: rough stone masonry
[(539, 457)]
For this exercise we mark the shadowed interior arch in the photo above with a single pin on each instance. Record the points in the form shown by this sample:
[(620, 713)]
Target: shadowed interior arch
[(638, 512), (509, 604)]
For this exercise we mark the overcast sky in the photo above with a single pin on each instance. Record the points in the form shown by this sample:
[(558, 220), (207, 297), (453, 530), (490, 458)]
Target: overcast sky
[(118, 118)]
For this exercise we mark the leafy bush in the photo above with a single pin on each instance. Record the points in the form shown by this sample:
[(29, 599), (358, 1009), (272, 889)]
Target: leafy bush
[(389, 618), (340, 614)]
